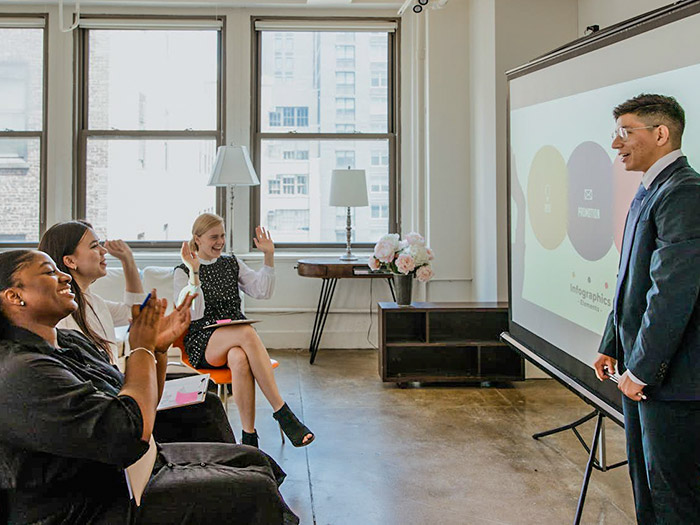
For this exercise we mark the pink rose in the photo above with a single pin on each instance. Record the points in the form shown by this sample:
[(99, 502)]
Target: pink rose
[(424, 273), (415, 238), (384, 251), (405, 263), (431, 255), (374, 264)]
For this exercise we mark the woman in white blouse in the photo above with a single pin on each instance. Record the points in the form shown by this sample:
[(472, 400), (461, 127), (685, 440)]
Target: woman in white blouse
[(216, 278), (77, 250)]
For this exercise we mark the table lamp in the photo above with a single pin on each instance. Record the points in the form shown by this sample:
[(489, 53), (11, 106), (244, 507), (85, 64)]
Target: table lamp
[(232, 167), (349, 189)]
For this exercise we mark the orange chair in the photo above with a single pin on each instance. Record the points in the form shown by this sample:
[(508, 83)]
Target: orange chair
[(220, 376)]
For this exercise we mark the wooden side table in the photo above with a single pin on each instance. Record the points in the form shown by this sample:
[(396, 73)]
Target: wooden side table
[(329, 270)]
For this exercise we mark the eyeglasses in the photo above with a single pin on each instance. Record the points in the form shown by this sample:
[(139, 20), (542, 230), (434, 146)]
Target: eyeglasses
[(623, 133)]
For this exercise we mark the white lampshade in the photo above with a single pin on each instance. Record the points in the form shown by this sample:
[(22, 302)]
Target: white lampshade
[(348, 188), (233, 168)]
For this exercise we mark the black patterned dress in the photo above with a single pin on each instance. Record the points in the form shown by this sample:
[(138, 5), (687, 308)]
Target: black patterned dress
[(222, 300)]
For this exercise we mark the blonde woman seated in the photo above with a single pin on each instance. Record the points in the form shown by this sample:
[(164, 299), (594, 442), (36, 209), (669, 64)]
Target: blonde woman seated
[(77, 250), (216, 278)]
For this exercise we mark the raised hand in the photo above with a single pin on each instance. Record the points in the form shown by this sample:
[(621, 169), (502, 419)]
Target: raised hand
[(263, 241), (120, 250), (189, 257), (146, 323), (174, 325)]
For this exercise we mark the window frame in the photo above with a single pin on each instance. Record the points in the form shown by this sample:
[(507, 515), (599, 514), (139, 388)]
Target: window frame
[(83, 133), (391, 135), (41, 134)]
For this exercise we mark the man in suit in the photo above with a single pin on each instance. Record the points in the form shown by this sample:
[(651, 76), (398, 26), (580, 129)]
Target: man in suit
[(653, 332)]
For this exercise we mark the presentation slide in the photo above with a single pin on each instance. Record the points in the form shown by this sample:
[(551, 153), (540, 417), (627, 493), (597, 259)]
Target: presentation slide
[(569, 191)]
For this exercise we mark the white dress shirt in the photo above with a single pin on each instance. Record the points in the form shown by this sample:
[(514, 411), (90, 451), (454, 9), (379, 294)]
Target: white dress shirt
[(104, 316), (257, 284)]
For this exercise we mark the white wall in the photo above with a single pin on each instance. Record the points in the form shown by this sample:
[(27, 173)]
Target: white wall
[(606, 13), (453, 142)]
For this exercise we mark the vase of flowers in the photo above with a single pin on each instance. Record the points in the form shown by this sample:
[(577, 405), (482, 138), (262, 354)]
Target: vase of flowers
[(406, 259)]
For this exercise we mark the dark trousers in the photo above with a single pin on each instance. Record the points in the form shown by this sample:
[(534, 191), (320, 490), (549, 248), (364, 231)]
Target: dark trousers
[(204, 422), (663, 448)]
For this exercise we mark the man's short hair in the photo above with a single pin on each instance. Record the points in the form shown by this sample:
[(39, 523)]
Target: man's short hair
[(656, 109)]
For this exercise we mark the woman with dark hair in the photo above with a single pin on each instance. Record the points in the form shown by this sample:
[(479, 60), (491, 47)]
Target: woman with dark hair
[(216, 278), (71, 422), (76, 249)]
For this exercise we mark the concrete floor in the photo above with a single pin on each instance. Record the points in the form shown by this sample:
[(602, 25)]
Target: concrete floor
[(433, 454)]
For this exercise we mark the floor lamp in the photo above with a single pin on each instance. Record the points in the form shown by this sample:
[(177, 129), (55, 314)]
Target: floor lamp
[(349, 189), (232, 167)]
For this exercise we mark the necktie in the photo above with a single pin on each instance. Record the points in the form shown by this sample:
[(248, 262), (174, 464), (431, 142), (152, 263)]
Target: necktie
[(630, 227)]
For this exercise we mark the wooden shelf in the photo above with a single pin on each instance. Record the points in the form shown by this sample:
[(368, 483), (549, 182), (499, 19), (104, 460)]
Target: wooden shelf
[(439, 342)]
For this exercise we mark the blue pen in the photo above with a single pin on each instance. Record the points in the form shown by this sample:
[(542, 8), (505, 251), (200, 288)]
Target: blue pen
[(143, 305)]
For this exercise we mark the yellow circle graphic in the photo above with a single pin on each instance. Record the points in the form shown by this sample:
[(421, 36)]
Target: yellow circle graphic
[(547, 197)]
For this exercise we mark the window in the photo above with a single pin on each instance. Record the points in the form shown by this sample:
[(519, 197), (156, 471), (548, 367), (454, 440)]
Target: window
[(149, 128), (380, 158), (345, 108), (379, 211), (296, 155), (345, 57), (378, 75), (289, 116), (288, 184), (332, 83), (288, 220), (344, 159), (345, 128), (22, 129), (345, 82), (379, 185)]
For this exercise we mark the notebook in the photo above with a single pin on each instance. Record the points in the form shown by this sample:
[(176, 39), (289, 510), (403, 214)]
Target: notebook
[(185, 391)]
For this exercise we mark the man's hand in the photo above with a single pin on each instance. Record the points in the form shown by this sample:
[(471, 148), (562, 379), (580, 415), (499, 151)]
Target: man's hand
[(631, 389), (603, 363)]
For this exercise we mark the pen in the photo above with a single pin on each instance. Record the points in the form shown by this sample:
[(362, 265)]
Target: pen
[(143, 305), (615, 380)]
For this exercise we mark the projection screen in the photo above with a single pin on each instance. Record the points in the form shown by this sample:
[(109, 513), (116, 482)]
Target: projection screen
[(569, 194)]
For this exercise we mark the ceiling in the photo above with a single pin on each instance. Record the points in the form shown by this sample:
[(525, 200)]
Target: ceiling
[(350, 4)]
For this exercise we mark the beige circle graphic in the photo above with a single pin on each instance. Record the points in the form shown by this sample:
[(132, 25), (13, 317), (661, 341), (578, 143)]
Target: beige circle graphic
[(547, 197)]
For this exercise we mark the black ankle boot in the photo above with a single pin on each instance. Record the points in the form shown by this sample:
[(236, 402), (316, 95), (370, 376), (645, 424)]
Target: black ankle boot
[(295, 429), (249, 439)]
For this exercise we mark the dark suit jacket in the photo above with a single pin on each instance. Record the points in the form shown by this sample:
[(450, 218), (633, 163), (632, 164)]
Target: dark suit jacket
[(657, 333)]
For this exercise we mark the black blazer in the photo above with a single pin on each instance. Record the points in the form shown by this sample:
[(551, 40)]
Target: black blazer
[(657, 333)]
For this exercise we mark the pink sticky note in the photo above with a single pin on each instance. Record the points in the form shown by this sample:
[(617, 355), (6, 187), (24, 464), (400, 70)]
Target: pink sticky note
[(223, 321), (183, 398)]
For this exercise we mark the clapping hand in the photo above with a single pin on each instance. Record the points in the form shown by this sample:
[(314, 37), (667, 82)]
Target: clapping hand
[(146, 323), (174, 325), (263, 241)]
